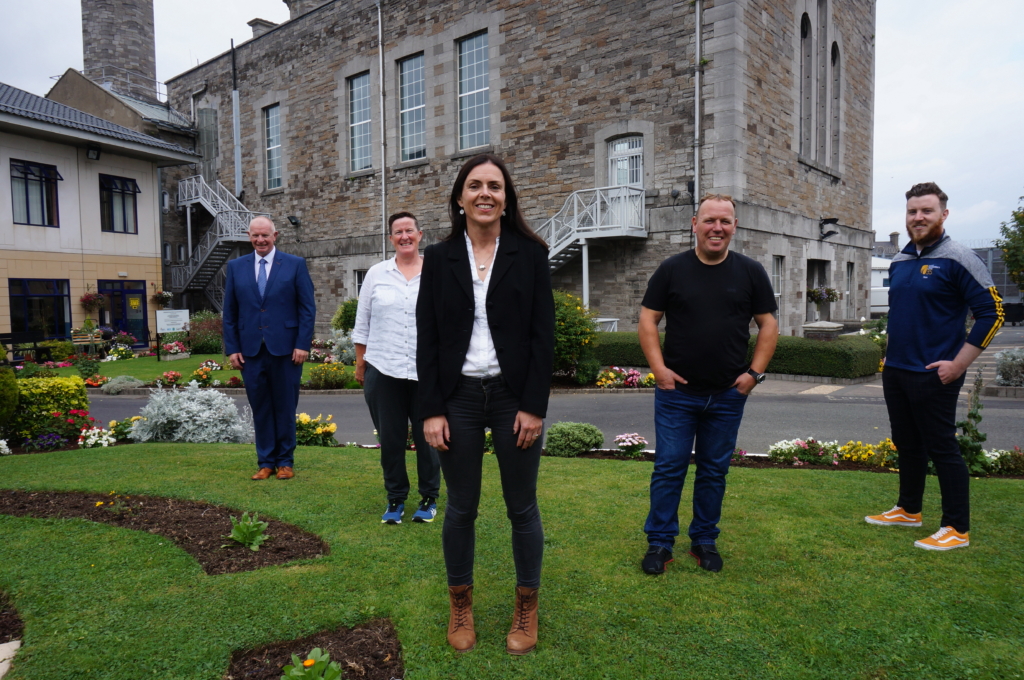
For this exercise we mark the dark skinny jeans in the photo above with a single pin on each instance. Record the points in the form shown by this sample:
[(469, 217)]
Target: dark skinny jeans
[(476, 404)]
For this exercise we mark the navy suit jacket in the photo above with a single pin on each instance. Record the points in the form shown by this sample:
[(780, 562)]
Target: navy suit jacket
[(520, 314), (283, 319)]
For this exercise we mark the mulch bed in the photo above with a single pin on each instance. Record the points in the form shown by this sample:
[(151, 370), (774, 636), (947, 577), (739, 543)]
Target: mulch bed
[(11, 626), (197, 528), (367, 652)]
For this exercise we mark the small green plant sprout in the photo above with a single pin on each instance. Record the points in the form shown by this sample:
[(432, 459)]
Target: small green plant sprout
[(249, 532), (317, 666)]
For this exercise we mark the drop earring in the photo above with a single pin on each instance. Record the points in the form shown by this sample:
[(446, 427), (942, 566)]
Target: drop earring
[(461, 211)]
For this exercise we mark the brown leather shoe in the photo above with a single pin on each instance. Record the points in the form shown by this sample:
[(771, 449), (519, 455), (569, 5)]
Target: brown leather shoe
[(264, 473), (285, 473), (522, 639), (461, 634)]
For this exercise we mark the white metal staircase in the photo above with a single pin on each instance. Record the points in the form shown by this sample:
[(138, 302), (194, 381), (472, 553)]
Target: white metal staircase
[(204, 270), (607, 212)]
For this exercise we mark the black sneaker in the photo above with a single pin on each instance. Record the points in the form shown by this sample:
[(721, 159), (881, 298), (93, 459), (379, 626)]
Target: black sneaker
[(656, 559), (707, 557)]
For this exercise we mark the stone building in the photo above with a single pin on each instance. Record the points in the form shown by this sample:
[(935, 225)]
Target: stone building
[(611, 117)]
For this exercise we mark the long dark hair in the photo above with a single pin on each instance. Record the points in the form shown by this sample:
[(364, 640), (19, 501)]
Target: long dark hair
[(512, 219)]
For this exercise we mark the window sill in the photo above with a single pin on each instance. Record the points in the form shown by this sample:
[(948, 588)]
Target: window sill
[(119, 233), (273, 192), (475, 151), (411, 164), (823, 169), (362, 173), (48, 226)]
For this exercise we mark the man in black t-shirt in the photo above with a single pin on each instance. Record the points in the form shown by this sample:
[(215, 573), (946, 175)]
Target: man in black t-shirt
[(709, 296)]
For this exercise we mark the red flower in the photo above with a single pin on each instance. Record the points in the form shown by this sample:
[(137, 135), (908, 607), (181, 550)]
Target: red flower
[(71, 420), (91, 419)]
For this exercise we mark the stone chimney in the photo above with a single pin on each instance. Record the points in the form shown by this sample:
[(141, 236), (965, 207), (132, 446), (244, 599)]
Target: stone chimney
[(297, 8), (118, 46), (894, 239), (261, 26)]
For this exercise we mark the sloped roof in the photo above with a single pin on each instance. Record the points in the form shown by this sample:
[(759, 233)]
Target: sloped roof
[(27, 105), (155, 112)]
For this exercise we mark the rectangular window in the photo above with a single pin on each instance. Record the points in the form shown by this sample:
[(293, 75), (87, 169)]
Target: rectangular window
[(272, 124), (34, 193), (851, 307), (360, 277), (474, 93), (778, 270), (360, 157), (42, 305), (117, 205), (413, 108)]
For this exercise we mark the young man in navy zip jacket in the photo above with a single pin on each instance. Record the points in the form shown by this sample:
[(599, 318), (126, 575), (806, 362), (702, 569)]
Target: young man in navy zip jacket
[(932, 283)]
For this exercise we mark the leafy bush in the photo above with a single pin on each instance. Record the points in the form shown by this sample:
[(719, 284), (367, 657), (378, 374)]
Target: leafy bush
[(329, 377), (1006, 462), (206, 333), (317, 666), (120, 353), (345, 318), (804, 452), (59, 349), (249, 531), (568, 440), (971, 439), (1010, 368), (342, 348), (876, 330), (851, 356), (190, 415), (575, 329), (8, 396), (119, 384), (315, 431), (882, 454), (620, 348), (38, 398), (86, 365), (122, 429), (587, 370)]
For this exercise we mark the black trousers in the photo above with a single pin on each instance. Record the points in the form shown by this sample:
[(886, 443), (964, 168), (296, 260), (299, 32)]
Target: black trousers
[(922, 415), (393, 405), (476, 404)]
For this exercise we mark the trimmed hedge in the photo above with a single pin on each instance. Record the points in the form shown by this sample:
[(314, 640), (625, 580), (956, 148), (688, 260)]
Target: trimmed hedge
[(8, 396), (39, 397), (851, 356)]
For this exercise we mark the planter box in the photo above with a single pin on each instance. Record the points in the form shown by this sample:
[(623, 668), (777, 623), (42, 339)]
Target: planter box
[(174, 357)]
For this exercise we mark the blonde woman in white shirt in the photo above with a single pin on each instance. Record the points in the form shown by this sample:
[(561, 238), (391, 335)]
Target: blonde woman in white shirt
[(385, 342)]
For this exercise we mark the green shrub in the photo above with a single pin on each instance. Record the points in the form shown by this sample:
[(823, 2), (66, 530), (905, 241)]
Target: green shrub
[(1008, 462), (345, 318), (86, 365), (574, 330), (8, 396), (329, 377), (851, 356), (205, 333), (587, 370), (39, 397), (568, 440), (1010, 367), (621, 348), (59, 349)]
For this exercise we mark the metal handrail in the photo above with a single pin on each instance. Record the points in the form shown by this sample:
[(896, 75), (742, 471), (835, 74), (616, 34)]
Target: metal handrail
[(589, 212)]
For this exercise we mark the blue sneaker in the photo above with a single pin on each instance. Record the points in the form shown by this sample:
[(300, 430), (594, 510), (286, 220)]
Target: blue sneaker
[(393, 515), (427, 510)]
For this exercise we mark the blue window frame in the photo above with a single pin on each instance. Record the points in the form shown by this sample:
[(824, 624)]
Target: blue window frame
[(40, 305), (34, 193), (118, 212)]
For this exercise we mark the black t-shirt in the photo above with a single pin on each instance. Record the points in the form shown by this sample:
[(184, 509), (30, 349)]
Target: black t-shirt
[(708, 309)]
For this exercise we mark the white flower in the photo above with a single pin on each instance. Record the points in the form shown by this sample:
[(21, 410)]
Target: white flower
[(883, 332), (216, 383), (862, 319), (4, 450), (863, 332)]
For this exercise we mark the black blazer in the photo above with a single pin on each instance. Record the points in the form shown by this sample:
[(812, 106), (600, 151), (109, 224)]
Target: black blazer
[(520, 313)]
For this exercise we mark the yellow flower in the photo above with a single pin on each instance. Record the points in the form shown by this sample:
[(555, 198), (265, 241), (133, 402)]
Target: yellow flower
[(134, 418), (304, 418), (112, 424), (329, 418), (99, 503)]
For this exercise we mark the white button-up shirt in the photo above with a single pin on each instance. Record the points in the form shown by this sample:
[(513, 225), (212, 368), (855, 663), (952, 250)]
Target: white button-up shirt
[(481, 359), (270, 262), (386, 320)]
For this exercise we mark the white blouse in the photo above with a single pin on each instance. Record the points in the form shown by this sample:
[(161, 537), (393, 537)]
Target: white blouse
[(481, 359), (386, 320)]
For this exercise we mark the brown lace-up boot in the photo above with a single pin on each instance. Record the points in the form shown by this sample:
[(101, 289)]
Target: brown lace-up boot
[(523, 637), (461, 634)]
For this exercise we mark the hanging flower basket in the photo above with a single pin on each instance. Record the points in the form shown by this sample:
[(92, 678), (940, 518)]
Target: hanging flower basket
[(823, 294), (92, 302), (164, 298)]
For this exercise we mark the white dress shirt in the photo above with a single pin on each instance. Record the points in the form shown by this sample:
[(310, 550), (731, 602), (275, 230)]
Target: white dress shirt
[(481, 359), (386, 320), (270, 262)]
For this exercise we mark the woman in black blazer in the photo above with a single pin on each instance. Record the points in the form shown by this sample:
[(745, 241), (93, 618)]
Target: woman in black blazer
[(485, 324)]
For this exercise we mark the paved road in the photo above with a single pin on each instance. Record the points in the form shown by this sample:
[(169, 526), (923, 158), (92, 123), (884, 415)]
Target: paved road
[(776, 410)]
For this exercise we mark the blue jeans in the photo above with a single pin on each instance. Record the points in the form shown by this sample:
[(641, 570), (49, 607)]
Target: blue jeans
[(679, 418)]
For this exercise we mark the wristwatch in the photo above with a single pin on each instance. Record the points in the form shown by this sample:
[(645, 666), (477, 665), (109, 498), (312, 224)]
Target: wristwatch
[(758, 377)]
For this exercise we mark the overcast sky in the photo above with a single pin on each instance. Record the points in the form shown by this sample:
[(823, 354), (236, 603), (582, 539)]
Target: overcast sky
[(949, 95)]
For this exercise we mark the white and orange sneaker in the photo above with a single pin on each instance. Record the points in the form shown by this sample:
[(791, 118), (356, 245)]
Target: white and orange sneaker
[(946, 538), (897, 517)]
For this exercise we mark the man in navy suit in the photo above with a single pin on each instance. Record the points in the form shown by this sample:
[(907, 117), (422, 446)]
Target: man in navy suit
[(269, 311)]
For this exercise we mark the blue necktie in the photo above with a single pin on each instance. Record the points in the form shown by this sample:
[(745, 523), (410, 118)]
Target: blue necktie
[(261, 280)]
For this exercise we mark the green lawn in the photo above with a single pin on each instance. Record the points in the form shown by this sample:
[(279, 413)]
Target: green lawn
[(808, 591), (148, 369)]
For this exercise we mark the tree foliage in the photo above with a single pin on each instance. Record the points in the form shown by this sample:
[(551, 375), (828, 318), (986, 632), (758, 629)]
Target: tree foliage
[(1012, 245)]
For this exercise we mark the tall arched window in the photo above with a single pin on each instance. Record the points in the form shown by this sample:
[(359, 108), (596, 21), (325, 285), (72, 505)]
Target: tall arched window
[(836, 91), (806, 85), (822, 109)]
